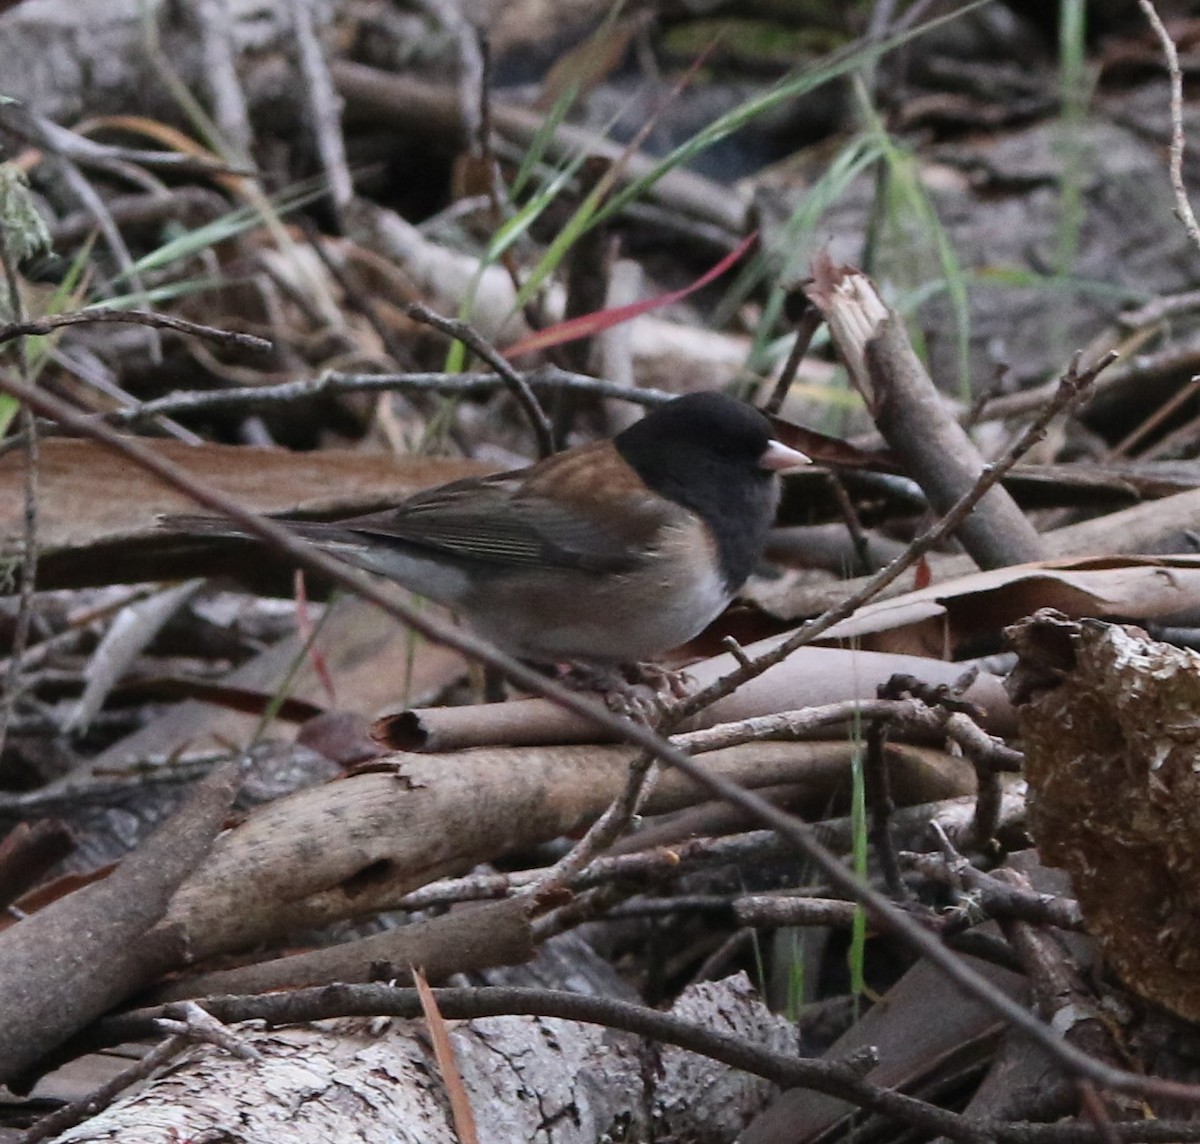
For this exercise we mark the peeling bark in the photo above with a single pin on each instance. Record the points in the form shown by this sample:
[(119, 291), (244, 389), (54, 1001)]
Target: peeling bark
[(529, 1079)]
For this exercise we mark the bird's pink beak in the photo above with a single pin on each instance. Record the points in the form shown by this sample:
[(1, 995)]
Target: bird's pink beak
[(781, 458)]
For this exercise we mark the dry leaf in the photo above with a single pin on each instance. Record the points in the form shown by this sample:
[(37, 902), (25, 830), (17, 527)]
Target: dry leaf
[(941, 620), (97, 519), (443, 1051)]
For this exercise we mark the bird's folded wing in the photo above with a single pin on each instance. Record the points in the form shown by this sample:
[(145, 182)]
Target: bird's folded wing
[(499, 526)]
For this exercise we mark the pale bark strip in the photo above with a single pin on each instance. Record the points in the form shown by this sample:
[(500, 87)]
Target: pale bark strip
[(529, 1079)]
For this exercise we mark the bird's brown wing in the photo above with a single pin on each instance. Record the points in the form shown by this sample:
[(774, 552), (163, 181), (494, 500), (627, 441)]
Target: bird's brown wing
[(507, 520)]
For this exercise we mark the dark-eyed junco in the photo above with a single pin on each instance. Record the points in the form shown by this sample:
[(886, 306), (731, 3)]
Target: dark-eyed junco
[(604, 554)]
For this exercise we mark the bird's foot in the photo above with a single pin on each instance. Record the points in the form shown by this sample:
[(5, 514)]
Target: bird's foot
[(641, 691), (670, 681)]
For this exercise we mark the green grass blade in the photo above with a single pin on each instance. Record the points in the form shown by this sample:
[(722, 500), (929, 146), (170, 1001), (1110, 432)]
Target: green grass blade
[(518, 225), (1020, 276), (229, 225), (24, 235), (540, 143), (800, 241), (856, 955), (1075, 90), (168, 292), (911, 204), (66, 296), (837, 65)]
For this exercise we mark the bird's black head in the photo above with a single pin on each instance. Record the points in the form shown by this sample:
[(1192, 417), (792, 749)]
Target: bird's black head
[(705, 451)]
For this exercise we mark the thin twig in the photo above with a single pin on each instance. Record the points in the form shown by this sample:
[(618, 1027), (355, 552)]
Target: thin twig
[(877, 781), (656, 864), (99, 1099), (736, 650), (200, 1025), (334, 383), (29, 547), (986, 752), (994, 897), (776, 911), (605, 830), (478, 345), (92, 202), (324, 106), (43, 132), (809, 323), (188, 1024), (858, 535), (217, 31), (98, 314), (475, 96), (804, 721), (1183, 207)]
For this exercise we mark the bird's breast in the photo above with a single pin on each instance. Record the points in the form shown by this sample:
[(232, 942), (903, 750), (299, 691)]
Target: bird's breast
[(554, 615)]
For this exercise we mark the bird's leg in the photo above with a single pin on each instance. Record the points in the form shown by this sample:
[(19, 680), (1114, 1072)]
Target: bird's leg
[(666, 680), (639, 691), (637, 700)]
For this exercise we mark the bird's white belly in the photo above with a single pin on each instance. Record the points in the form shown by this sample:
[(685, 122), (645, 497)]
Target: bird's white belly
[(613, 619)]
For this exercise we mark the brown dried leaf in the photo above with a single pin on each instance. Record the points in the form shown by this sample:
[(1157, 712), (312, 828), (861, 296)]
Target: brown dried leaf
[(27, 852), (443, 1051), (939, 620), (583, 66), (376, 665), (98, 513)]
